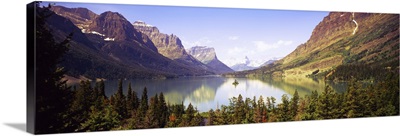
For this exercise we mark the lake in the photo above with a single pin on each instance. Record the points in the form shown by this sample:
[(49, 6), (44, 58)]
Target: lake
[(207, 93)]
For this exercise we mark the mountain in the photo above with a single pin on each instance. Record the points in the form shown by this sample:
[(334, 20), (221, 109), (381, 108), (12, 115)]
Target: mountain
[(243, 65), (341, 39), (108, 46), (248, 64), (268, 62), (208, 56), (170, 46), (81, 17)]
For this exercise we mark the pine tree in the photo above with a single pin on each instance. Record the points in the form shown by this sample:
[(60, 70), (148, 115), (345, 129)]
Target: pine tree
[(294, 104), (260, 111), (151, 118), (239, 110), (273, 102), (325, 103), (101, 120), (129, 101), (120, 101), (211, 117), (311, 112), (52, 94), (284, 110), (80, 107), (163, 109), (272, 113), (189, 113), (143, 106), (197, 120), (351, 102), (301, 110), (102, 90), (226, 115), (98, 98)]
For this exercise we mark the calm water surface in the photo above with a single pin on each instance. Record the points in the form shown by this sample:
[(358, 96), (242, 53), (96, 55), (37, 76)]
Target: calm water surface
[(207, 93)]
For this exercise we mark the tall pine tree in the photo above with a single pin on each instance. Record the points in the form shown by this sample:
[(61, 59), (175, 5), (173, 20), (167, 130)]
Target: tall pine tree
[(294, 103), (120, 101), (143, 106), (163, 109), (52, 94)]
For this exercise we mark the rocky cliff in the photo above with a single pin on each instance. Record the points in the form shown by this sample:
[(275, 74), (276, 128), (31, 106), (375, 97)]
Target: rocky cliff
[(208, 56)]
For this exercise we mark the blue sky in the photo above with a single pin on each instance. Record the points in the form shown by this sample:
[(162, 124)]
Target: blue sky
[(234, 33)]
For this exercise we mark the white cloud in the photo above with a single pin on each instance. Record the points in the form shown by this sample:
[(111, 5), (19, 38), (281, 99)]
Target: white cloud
[(263, 46), (233, 38), (281, 42), (236, 50)]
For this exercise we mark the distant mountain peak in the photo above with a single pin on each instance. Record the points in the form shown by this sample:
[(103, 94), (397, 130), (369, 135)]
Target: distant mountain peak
[(208, 56), (247, 60), (203, 53)]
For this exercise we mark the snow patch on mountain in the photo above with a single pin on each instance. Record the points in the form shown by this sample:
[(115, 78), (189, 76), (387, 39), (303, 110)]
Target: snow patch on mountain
[(109, 39), (141, 23)]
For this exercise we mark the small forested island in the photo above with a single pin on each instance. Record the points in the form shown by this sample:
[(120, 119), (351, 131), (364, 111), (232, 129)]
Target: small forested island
[(235, 83)]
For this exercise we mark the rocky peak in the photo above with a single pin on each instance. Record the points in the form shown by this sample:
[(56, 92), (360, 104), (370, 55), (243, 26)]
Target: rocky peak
[(146, 28), (113, 25), (81, 17), (81, 12), (203, 53), (208, 56), (169, 46), (141, 24)]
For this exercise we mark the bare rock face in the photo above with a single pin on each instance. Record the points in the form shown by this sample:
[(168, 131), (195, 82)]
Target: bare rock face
[(115, 27), (171, 46), (203, 53), (208, 56), (168, 45), (81, 17)]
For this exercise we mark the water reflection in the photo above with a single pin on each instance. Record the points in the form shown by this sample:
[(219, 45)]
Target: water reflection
[(207, 93)]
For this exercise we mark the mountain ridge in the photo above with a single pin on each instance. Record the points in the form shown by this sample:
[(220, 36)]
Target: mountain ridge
[(116, 46), (341, 38), (169, 46)]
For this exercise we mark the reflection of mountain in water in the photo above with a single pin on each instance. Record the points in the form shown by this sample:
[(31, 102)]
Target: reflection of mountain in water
[(193, 89), (304, 86), (201, 94), (207, 93)]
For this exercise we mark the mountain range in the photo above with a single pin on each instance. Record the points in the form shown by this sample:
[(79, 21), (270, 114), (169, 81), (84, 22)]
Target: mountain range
[(248, 64), (171, 47), (341, 39), (109, 46)]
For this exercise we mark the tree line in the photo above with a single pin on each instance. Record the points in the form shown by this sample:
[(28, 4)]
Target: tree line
[(381, 99), (91, 110)]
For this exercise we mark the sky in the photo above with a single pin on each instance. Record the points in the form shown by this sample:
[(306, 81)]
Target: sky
[(259, 34)]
